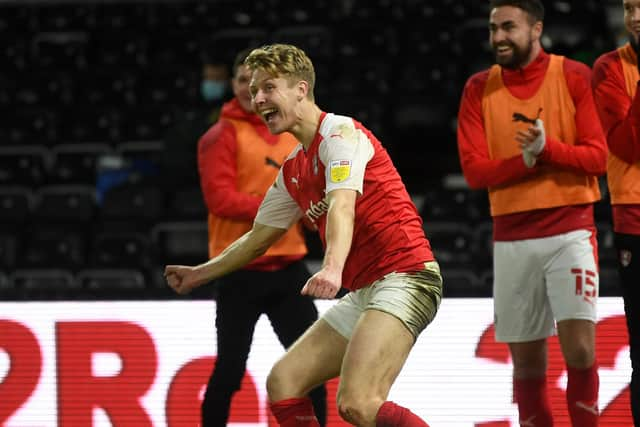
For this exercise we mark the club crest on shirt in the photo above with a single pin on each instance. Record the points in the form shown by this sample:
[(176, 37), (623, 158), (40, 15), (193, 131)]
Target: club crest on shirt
[(625, 257), (339, 170)]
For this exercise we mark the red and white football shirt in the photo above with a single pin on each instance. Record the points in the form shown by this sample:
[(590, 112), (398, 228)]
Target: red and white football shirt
[(387, 234)]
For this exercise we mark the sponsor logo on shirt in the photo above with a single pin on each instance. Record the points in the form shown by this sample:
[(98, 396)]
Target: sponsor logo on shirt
[(339, 170), (316, 210)]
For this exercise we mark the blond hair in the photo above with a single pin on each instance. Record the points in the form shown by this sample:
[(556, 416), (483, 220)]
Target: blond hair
[(283, 60)]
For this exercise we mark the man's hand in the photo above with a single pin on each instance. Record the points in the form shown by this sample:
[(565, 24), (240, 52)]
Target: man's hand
[(532, 142), (324, 284), (181, 278)]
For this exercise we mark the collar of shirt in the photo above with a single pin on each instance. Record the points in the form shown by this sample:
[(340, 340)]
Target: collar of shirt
[(524, 82)]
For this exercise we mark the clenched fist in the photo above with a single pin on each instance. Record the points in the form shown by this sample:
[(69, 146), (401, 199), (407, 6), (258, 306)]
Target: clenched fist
[(324, 284), (182, 278)]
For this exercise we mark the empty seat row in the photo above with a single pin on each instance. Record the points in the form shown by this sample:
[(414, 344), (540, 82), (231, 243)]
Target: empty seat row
[(110, 246), (83, 205), (33, 164), (90, 283)]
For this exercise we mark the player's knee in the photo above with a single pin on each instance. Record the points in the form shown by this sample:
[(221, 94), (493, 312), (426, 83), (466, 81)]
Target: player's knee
[(580, 356), (357, 410), (281, 383)]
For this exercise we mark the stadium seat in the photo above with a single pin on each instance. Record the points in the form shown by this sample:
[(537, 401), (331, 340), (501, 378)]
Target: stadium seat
[(65, 203), (89, 124), (16, 204), (44, 284), (364, 41), (461, 282), (460, 204), (181, 242), (125, 249), (76, 163), (11, 241), (30, 121), (141, 151), (23, 165), (133, 201), (186, 204), (451, 243), (107, 86), (118, 47), (54, 245), (144, 123), (315, 40), (230, 41), (112, 283), (60, 49)]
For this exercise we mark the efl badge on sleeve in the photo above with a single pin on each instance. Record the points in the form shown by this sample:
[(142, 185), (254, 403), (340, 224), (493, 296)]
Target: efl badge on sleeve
[(339, 170), (625, 257)]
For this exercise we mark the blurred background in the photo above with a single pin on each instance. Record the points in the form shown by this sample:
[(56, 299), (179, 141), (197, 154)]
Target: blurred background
[(90, 91)]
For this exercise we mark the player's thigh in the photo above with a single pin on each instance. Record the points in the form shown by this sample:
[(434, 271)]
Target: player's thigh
[(375, 355), (312, 360), (398, 308), (521, 308), (572, 277)]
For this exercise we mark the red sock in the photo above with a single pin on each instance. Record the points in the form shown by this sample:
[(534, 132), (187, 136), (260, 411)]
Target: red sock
[(392, 415), (533, 403), (297, 412), (582, 396)]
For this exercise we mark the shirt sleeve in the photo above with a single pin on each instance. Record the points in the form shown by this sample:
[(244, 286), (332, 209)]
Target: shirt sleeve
[(619, 114), (479, 170), (589, 153), (217, 158), (278, 209), (345, 154)]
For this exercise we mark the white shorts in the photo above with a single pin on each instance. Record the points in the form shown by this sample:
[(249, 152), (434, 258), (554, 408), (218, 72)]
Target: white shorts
[(537, 281), (412, 297)]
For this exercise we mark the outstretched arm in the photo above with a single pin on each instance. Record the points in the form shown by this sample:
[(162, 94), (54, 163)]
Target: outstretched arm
[(248, 247)]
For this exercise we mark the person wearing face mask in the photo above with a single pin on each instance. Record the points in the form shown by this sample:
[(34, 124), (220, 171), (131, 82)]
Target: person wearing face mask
[(528, 132), (238, 160), (177, 162), (615, 86), (214, 85)]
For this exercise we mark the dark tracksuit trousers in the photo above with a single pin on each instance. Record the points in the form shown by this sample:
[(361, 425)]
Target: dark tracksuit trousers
[(241, 298), (628, 247)]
